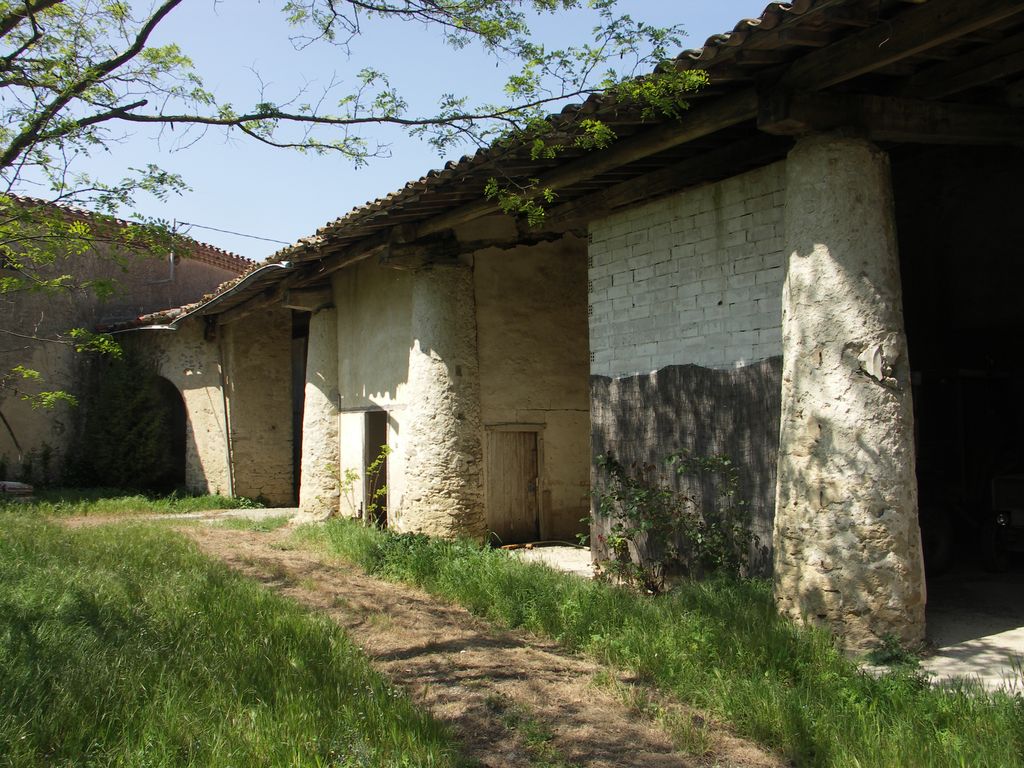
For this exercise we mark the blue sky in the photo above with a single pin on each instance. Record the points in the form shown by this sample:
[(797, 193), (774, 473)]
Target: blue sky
[(240, 185)]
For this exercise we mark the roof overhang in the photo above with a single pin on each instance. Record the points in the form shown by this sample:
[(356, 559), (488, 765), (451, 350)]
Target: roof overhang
[(922, 71)]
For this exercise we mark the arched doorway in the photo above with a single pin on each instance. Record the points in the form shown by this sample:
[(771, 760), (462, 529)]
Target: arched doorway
[(172, 412)]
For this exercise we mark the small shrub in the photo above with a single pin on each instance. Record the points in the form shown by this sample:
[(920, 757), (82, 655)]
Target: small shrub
[(656, 530), (891, 653)]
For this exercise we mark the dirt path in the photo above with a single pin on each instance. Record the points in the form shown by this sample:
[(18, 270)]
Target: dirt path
[(513, 699)]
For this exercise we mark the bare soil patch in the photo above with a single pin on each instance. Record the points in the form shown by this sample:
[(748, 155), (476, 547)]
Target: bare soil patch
[(514, 699)]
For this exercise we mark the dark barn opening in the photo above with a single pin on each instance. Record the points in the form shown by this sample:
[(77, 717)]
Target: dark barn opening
[(175, 420), (960, 236), (300, 350), (375, 468)]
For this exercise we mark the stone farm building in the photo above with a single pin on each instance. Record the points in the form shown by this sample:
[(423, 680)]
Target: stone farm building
[(813, 271), (145, 282)]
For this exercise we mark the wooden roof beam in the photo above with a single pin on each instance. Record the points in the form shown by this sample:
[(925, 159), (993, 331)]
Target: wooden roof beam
[(991, 62), (253, 304), (333, 259), (908, 34), (707, 119), (891, 119), (755, 150)]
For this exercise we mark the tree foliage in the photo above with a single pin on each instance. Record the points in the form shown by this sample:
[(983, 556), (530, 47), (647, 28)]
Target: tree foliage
[(76, 74), (73, 71)]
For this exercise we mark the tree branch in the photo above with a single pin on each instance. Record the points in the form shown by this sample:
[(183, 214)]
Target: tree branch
[(94, 74), (15, 17)]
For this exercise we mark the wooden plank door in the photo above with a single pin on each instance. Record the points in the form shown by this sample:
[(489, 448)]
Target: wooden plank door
[(512, 509)]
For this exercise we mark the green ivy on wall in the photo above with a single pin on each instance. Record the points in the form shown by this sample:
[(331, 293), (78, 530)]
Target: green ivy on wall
[(131, 428)]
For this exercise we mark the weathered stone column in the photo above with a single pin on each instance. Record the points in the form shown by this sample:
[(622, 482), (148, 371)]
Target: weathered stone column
[(847, 543), (442, 441), (319, 491)]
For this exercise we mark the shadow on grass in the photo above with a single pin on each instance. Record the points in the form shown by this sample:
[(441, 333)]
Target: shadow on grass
[(124, 646), (114, 501)]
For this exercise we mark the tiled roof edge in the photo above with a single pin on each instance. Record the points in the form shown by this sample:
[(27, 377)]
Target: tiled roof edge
[(198, 251)]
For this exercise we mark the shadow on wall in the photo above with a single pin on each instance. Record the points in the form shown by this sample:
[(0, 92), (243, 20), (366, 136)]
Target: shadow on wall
[(374, 309), (173, 406), (848, 535), (735, 413)]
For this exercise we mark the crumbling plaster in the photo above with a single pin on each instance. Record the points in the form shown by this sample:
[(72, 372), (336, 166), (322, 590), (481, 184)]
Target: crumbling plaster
[(190, 362), (847, 542), (253, 359), (320, 489), (373, 325), (407, 345)]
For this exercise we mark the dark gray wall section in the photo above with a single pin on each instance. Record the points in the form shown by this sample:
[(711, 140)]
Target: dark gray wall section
[(708, 412)]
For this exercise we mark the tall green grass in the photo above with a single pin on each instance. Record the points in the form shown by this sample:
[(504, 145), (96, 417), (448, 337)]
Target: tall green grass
[(111, 501), (123, 646), (719, 645)]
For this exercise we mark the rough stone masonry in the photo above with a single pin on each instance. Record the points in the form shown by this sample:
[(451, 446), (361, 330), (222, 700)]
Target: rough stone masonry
[(847, 542)]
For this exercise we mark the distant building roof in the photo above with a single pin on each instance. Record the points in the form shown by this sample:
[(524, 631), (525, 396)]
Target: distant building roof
[(193, 249)]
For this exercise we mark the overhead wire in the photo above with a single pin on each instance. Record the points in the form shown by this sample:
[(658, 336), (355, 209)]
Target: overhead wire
[(231, 232)]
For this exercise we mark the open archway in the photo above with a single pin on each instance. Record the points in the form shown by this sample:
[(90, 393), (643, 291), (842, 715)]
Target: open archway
[(172, 411)]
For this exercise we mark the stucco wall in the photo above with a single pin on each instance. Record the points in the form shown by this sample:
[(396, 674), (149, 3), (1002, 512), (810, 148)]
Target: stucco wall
[(373, 307), (43, 434), (142, 286), (407, 345), (256, 403), (319, 483), (693, 278), (451, 350), (192, 364), (532, 337)]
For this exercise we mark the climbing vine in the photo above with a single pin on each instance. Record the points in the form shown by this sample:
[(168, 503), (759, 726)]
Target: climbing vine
[(125, 433)]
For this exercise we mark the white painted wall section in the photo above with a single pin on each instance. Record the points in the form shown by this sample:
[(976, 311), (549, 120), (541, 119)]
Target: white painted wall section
[(695, 277)]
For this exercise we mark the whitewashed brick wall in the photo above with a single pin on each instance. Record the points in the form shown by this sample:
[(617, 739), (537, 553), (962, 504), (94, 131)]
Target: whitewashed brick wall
[(692, 278)]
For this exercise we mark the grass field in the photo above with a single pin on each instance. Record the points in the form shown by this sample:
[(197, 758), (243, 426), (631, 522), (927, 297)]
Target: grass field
[(123, 646), (719, 645), (65, 502)]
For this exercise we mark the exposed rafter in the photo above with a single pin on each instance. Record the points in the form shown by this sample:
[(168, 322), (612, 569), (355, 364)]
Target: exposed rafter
[(986, 64), (908, 34), (891, 119), (757, 149)]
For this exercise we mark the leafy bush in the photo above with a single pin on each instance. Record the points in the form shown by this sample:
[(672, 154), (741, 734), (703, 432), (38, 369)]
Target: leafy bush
[(656, 530)]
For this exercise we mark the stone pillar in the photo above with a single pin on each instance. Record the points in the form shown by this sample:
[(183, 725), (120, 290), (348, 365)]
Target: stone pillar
[(258, 365), (319, 490), (847, 542), (442, 440)]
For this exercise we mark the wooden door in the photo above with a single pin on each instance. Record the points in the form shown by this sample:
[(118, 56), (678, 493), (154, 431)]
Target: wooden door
[(512, 509)]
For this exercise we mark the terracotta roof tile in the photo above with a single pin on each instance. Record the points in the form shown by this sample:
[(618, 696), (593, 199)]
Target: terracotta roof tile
[(196, 250)]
